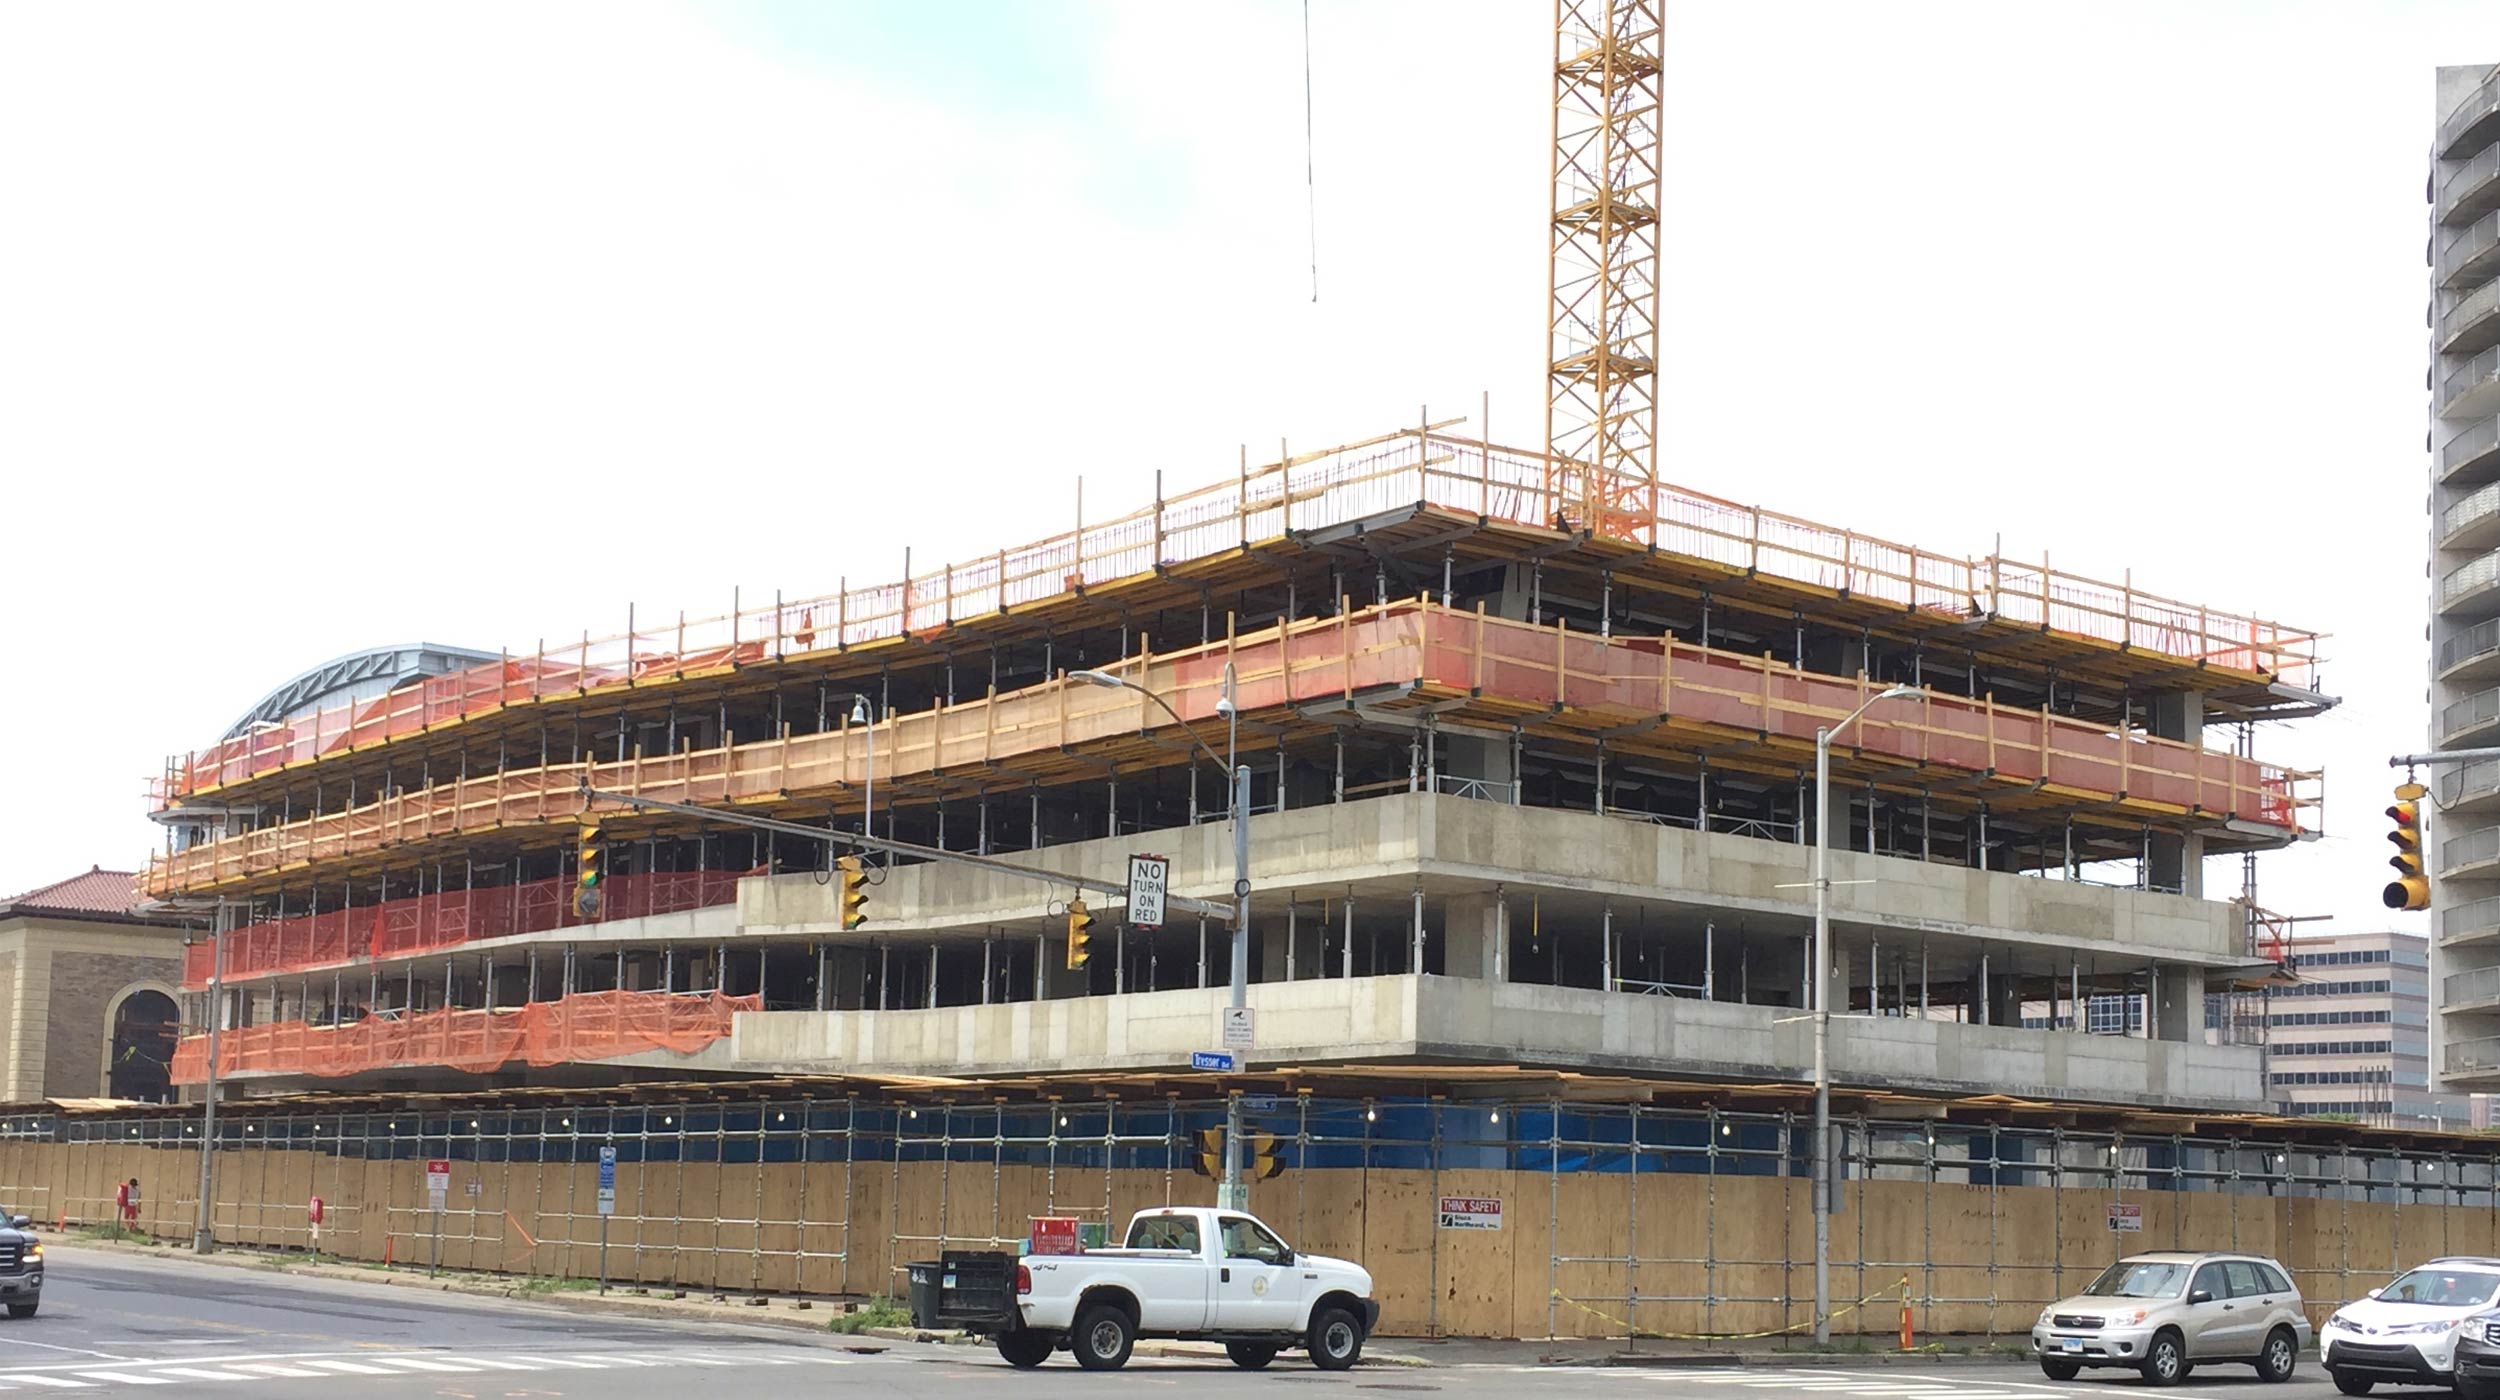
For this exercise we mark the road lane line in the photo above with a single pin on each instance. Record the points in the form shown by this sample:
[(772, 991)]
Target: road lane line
[(195, 1373), (500, 1363), (126, 1377), (424, 1363), (353, 1368), (57, 1382), (271, 1368)]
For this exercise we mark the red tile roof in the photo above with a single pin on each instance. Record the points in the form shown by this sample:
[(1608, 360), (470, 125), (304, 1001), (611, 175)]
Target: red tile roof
[(98, 891)]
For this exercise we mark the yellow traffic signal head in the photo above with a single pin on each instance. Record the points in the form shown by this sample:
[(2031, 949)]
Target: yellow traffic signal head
[(854, 897), (2411, 889), (590, 862), (1079, 920), (1207, 1156), (1266, 1162)]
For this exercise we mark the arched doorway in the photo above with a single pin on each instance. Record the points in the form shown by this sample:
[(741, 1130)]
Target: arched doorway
[(142, 1058)]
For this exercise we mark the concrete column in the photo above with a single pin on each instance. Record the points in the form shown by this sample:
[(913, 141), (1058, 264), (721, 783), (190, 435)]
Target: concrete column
[(1060, 981), (2177, 862), (2179, 1004), (1268, 944), (1474, 934), (849, 968)]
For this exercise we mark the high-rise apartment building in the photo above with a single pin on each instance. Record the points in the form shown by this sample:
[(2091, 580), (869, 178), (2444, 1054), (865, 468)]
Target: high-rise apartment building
[(2463, 845)]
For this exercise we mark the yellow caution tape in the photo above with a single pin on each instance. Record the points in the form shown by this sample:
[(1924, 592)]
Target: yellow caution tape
[(1807, 1325)]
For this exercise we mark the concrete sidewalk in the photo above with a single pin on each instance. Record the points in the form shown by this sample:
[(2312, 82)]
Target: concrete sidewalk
[(816, 1315)]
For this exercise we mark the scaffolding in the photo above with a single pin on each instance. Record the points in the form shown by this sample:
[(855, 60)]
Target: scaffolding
[(1630, 694), (1497, 495)]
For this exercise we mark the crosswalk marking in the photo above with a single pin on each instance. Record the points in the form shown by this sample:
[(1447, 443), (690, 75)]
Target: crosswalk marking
[(381, 1362), (1862, 1385)]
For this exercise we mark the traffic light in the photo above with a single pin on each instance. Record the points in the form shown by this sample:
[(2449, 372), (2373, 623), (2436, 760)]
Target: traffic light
[(1078, 922), (590, 860), (2411, 889), (1208, 1158), (854, 891), (1266, 1162)]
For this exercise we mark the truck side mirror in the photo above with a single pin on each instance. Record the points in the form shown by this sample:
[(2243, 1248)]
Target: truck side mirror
[(1286, 1259), (2200, 1296), (19, 1222)]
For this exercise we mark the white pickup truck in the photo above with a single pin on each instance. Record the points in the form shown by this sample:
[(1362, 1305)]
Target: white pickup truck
[(1187, 1272)]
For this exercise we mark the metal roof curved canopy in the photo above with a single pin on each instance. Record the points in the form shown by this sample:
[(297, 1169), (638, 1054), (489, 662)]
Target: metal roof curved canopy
[(357, 675)]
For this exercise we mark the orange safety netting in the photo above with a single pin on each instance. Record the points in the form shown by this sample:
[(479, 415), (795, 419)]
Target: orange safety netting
[(1317, 490), (1679, 694), (422, 923), (584, 1026)]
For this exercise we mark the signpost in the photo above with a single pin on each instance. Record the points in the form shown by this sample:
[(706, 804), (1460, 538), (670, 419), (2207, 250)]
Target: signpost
[(437, 1186), (1148, 878), (1217, 1060), (2126, 1219), (1240, 1029), (607, 1207), (1470, 1213)]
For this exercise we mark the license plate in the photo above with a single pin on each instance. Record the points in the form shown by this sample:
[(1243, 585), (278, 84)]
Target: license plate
[(2070, 1344)]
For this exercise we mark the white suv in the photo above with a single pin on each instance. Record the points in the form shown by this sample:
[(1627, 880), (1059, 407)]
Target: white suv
[(2406, 1333)]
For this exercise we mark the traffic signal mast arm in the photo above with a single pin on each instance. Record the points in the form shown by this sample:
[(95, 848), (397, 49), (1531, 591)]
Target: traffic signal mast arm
[(1209, 908), (2429, 760)]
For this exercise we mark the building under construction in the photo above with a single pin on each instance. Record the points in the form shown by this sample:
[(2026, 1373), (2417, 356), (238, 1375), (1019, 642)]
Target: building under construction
[(1532, 735), (1523, 791)]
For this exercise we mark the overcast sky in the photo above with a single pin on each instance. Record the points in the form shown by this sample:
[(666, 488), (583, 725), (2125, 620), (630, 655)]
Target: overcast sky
[(325, 326)]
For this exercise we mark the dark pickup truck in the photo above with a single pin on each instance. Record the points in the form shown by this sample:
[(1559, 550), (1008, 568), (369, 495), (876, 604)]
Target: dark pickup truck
[(21, 1268)]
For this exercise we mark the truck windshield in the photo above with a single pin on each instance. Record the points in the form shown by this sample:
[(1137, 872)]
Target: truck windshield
[(2138, 1278), (2443, 1288)]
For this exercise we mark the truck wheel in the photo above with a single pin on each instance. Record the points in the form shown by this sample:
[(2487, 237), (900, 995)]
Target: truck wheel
[(1103, 1338), (1024, 1349), (1251, 1356), (22, 1309), (2351, 1384), (2057, 1370), (1335, 1340), (2282, 1353)]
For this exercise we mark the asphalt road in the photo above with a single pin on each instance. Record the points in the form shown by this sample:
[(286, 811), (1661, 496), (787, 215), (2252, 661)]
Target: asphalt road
[(113, 1321)]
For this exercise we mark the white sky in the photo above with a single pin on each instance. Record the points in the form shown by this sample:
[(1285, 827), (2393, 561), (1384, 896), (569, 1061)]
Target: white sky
[(328, 326)]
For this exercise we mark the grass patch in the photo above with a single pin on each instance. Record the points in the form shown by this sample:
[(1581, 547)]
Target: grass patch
[(875, 1312), (543, 1284), (104, 1232)]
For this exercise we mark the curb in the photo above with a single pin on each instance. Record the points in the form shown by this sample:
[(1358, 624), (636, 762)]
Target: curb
[(1163, 1351)]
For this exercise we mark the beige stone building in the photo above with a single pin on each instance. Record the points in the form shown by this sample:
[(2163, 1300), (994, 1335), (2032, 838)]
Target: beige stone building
[(87, 992)]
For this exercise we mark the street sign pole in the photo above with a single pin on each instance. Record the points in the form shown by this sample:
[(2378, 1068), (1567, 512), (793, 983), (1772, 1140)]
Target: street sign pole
[(437, 1185), (607, 1208)]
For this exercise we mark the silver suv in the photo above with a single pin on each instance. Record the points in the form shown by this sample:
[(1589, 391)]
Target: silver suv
[(2166, 1314)]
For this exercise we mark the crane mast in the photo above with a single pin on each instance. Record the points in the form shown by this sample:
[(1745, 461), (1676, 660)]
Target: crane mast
[(1601, 398)]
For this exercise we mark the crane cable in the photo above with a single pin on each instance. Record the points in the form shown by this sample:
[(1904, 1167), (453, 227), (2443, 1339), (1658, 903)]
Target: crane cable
[(1310, 184)]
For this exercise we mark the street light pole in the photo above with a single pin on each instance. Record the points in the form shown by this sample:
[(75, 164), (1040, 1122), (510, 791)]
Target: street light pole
[(1234, 1194), (204, 1232), (868, 794), (1822, 1176)]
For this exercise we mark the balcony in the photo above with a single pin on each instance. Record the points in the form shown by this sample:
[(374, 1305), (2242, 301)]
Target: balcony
[(2472, 389), (2471, 456), (2472, 589), (2469, 786), (2474, 122), (2478, 1057), (2469, 718), (2471, 322), (2460, 990), (2472, 521), (2473, 853), (2470, 255), (2474, 921), (2471, 190), (2473, 654)]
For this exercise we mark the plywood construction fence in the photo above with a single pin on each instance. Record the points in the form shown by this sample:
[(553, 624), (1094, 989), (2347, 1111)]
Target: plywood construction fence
[(1526, 1219)]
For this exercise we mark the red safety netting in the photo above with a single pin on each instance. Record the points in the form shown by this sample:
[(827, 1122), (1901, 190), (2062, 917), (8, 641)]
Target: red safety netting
[(422, 923), (585, 1026)]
